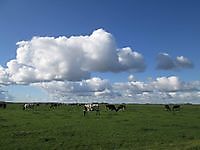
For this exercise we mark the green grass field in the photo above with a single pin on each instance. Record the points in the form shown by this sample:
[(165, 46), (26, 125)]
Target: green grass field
[(138, 127)]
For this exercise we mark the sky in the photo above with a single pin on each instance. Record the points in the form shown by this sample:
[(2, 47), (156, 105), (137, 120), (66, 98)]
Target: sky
[(129, 51)]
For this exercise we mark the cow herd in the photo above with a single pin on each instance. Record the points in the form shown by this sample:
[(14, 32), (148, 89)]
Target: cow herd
[(29, 106), (86, 107), (89, 107)]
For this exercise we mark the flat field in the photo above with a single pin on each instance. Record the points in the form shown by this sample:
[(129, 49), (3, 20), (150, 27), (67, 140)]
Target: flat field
[(139, 127)]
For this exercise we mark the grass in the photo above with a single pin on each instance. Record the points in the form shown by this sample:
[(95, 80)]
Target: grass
[(139, 127)]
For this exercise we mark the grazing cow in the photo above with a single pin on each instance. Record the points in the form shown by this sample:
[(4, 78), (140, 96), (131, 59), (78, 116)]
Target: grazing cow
[(28, 106), (3, 105), (176, 107), (167, 107), (122, 106), (91, 107), (111, 107)]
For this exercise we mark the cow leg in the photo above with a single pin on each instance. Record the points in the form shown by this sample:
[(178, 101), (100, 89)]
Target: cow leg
[(84, 112)]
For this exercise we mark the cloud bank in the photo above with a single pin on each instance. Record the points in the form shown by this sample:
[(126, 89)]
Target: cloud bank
[(166, 62), (71, 59), (94, 89), (160, 90)]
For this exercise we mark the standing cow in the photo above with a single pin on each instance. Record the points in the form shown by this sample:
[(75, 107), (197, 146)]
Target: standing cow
[(121, 107), (91, 107), (28, 106)]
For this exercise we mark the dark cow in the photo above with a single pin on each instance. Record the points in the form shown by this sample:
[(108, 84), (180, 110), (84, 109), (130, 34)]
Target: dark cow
[(3, 105), (91, 107), (167, 107), (121, 107), (176, 107), (111, 107)]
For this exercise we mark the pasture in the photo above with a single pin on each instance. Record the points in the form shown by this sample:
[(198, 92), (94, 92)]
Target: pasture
[(139, 127)]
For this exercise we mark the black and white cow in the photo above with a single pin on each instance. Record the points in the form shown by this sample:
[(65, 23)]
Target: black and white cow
[(28, 106), (91, 107), (121, 107)]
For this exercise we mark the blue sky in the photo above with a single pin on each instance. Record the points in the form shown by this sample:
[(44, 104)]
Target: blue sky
[(148, 27)]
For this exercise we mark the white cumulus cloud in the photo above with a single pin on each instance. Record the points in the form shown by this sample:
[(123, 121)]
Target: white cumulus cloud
[(171, 83), (69, 58), (131, 60)]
